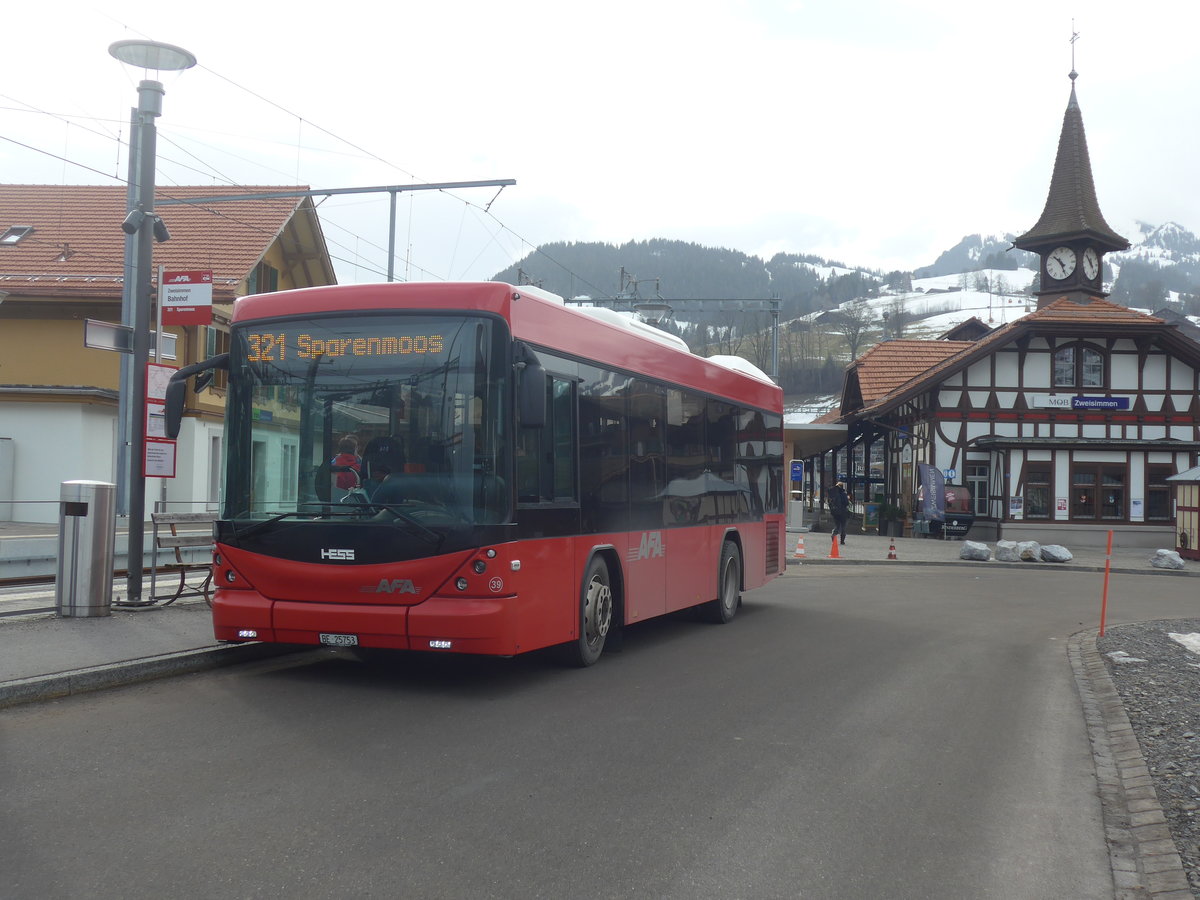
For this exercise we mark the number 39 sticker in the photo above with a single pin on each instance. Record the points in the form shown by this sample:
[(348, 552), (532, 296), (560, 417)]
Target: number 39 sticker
[(496, 585)]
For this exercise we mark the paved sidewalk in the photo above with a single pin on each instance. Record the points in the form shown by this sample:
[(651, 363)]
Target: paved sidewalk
[(43, 656), (871, 548)]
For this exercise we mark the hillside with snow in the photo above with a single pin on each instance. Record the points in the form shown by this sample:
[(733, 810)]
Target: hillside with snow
[(938, 303)]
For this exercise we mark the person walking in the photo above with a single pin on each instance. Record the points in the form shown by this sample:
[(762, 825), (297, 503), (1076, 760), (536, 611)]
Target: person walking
[(839, 506)]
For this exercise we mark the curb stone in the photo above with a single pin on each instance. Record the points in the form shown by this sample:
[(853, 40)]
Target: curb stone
[(1145, 862), (96, 678)]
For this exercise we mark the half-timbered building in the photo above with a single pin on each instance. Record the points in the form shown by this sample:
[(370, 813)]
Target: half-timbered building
[(1063, 424)]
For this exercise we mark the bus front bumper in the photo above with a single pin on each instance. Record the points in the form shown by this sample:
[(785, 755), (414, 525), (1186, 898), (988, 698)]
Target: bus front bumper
[(445, 624)]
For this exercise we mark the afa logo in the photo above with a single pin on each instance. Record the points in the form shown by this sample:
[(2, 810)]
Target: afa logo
[(651, 545), (390, 586)]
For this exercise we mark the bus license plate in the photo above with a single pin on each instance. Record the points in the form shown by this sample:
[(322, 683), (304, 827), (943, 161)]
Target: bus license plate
[(339, 640)]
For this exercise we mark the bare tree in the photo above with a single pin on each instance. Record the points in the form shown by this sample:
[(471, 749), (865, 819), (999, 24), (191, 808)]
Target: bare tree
[(853, 320), (759, 338), (725, 333), (898, 317)]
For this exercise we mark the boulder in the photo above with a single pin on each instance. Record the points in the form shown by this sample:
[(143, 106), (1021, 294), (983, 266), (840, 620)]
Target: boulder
[(1006, 551), (975, 550), (1166, 559), (1056, 553), (1029, 551)]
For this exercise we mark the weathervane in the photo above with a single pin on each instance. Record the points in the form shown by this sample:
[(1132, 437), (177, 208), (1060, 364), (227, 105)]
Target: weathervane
[(1074, 38)]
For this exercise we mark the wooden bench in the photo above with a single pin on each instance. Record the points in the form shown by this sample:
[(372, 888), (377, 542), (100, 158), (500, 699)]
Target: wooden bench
[(174, 531)]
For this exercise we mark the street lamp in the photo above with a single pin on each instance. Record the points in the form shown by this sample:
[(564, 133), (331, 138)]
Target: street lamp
[(141, 226)]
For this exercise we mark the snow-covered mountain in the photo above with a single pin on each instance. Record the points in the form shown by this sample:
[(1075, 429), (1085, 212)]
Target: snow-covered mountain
[(1162, 263), (1165, 245), (979, 251), (1162, 266)]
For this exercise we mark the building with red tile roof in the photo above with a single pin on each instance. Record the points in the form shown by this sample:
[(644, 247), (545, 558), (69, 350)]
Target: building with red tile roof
[(62, 261)]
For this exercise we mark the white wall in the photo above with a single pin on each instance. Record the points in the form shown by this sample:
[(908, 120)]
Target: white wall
[(53, 443), (6, 478), (188, 491), (57, 442)]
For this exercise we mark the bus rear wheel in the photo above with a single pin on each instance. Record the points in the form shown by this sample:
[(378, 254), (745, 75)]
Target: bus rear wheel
[(595, 617), (729, 586)]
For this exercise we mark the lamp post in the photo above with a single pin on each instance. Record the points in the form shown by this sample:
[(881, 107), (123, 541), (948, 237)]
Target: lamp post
[(141, 226)]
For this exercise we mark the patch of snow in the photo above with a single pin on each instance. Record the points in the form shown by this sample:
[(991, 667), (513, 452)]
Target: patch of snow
[(1123, 658), (1190, 642)]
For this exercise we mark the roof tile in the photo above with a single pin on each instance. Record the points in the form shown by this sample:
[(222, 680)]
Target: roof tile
[(77, 238), (1071, 205), (887, 366)]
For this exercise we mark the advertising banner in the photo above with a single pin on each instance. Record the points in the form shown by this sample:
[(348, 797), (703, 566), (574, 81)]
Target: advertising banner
[(933, 492)]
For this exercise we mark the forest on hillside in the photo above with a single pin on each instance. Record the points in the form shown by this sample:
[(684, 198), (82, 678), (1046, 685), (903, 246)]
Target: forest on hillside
[(679, 270), (811, 355), (813, 349)]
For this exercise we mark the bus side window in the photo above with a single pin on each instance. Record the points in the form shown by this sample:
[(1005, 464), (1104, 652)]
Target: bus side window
[(647, 454), (687, 455), (546, 453), (562, 437)]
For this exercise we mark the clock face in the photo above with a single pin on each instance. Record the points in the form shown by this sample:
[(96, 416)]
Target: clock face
[(1060, 263), (1091, 263)]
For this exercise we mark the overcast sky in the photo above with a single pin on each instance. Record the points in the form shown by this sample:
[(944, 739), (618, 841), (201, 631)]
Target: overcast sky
[(875, 133)]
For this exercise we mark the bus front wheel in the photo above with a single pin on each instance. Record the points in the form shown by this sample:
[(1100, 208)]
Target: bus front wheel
[(729, 586), (595, 616)]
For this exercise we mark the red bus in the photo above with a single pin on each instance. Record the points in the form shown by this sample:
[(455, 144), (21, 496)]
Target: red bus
[(481, 468)]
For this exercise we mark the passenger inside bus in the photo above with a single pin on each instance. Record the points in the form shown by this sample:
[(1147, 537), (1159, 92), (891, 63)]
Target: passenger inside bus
[(347, 463)]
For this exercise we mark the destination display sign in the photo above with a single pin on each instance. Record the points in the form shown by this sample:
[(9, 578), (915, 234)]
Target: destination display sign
[(281, 345)]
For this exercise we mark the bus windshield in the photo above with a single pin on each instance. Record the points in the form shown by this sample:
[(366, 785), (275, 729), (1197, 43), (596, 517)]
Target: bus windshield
[(368, 416)]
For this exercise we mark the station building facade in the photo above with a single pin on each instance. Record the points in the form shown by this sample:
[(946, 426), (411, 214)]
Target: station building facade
[(1064, 424)]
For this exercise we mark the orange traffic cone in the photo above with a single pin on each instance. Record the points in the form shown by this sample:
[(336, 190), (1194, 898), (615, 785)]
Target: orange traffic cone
[(833, 548), (799, 554), (892, 550)]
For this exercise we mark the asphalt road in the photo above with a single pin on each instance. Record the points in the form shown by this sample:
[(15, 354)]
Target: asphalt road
[(866, 732)]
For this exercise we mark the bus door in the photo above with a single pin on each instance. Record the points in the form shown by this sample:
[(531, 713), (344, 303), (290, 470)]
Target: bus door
[(647, 552)]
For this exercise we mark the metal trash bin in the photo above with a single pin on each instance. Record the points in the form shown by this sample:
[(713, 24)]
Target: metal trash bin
[(86, 538)]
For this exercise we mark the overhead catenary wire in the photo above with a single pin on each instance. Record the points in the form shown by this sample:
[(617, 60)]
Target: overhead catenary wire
[(485, 209), (301, 121), (213, 172)]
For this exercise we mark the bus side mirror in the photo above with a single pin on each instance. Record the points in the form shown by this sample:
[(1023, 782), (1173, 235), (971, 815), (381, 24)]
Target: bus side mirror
[(177, 389), (533, 396), (531, 387)]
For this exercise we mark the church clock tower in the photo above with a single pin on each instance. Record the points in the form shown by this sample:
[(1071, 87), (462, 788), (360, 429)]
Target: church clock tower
[(1071, 237)]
